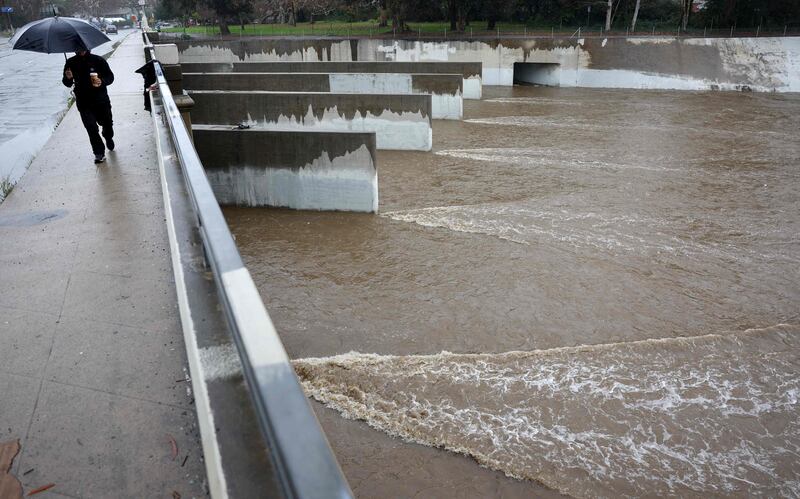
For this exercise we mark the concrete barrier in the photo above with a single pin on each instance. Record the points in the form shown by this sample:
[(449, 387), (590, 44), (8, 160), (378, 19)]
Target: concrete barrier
[(167, 53), (470, 71), (399, 121), (274, 82), (292, 169), (445, 89), (762, 64)]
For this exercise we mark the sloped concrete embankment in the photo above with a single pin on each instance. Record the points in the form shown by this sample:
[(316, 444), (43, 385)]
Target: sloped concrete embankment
[(401, 122), (761, 64), (293, 169)]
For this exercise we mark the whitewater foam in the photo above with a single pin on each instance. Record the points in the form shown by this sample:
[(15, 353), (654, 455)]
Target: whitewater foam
[(620, 126), (714, 414)]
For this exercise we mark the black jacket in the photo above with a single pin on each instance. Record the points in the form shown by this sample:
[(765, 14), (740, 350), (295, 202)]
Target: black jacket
[(148, 72), (86, 95)]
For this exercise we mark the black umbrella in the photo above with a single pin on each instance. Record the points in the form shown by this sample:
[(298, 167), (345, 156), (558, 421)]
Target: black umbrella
[(58, 34)]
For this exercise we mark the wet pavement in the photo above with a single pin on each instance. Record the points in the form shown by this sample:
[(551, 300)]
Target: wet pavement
[(32, 101), (92, 360)]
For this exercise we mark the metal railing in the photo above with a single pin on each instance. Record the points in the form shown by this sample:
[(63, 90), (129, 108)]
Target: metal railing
[(304, 462)]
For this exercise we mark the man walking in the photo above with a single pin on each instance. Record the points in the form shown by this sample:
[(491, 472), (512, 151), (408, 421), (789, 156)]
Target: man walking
[(91, 75)]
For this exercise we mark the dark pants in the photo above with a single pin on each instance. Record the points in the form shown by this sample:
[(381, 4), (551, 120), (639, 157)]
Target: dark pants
[(98, 114)]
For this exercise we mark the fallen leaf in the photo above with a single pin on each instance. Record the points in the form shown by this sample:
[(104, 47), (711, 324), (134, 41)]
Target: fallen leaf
[(174, 445), (41, 489)]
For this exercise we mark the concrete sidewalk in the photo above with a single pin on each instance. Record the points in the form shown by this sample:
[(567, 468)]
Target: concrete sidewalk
[(92, 360)]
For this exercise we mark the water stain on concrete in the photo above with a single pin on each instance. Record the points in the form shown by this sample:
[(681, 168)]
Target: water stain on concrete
[(31, 218), (224, 107)]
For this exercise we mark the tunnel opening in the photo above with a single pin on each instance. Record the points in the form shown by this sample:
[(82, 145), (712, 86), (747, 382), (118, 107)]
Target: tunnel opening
[(537, 73)]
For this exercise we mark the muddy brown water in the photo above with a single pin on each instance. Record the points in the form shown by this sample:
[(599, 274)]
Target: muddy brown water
[(555, 218)]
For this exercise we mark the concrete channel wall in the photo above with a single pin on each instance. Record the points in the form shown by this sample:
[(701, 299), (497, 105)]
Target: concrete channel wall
[(292, 169), (470, 71), (400, 122), (445, 89), (761, 64)]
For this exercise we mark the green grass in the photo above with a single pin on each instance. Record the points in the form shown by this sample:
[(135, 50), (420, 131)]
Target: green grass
[(442, 30), (360, 28)]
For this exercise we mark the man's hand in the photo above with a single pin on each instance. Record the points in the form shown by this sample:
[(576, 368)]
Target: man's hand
[(68, 74), (96, 82)]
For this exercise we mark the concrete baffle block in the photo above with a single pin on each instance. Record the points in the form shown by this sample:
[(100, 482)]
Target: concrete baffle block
[(446, 90), (185, 105), (332, 171), (400, 122), (167, 53), (470, 71), (174, 77)]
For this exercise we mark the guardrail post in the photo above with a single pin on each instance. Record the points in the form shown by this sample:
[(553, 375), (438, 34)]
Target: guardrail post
[(174, 77), (185, 105)]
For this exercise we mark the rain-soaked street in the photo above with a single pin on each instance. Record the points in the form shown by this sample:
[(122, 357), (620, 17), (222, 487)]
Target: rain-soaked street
[(32, 101)]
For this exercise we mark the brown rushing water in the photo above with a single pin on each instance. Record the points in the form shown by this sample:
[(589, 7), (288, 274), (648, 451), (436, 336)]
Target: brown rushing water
[(559, 218)]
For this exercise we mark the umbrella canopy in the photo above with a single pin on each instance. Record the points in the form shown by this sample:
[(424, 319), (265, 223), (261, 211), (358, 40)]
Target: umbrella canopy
[(58, 34)]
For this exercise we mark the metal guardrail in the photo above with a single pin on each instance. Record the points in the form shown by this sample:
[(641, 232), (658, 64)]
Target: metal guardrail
[(304, 462)]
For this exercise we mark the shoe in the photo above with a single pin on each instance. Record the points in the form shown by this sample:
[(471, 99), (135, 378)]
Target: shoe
[(110, 144), (99, 158)]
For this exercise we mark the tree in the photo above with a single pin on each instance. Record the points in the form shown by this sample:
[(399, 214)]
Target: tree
[(494, 10), (228, 11), (635, 15), (319, 8), (175, 9), (463, 10), (400, 11), (452, 14), (686, 9), (28, 10)]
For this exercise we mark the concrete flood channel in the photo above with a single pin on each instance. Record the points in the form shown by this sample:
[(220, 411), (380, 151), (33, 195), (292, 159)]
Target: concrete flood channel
[(614, 269)]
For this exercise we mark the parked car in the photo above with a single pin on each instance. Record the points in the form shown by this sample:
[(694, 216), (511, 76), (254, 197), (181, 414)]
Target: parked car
[(111, 29)]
